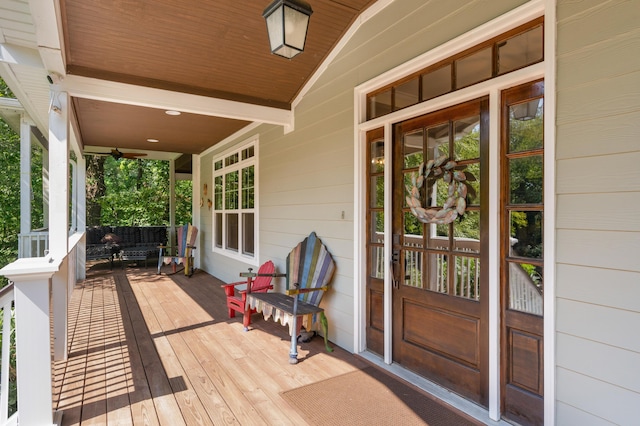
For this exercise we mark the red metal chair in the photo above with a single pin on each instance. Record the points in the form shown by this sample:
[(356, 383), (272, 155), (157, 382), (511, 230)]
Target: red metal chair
[(256, 283)]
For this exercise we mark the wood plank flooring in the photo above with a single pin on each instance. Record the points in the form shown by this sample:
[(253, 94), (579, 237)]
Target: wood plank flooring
[(149, 349)]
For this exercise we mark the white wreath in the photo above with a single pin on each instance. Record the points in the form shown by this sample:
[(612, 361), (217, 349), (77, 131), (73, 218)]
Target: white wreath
[(454, 206)]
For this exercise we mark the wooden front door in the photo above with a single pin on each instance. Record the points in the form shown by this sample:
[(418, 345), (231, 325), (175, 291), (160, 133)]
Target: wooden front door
[(521, 254), (440, 308)]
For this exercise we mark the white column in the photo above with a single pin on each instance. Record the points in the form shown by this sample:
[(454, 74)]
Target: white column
[(59, 215), (172, 201), (81, 271), (195, 205), (59, 175), (33, 337), (25, 177), (59, 295)]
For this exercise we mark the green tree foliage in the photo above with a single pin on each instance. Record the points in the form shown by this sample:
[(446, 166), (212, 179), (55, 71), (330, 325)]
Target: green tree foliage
[(136, 193), (9, 194)]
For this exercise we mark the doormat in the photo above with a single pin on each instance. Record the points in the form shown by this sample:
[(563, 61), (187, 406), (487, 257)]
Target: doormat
[(371, 397)]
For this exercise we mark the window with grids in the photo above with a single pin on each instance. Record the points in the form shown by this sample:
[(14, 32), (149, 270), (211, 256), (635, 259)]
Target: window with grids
[(234, 193)]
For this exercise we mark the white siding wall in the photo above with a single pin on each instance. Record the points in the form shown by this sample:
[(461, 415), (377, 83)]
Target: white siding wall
[(598, 225)]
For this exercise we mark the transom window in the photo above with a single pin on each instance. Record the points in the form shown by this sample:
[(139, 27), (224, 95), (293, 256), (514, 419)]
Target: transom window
[(234, 195), (518, 48)]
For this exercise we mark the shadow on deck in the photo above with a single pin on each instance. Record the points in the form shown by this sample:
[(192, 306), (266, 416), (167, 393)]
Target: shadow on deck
[(157, 349)]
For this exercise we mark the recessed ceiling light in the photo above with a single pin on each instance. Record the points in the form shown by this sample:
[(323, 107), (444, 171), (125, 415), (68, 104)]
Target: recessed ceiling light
[(153, 140), (172, 112)]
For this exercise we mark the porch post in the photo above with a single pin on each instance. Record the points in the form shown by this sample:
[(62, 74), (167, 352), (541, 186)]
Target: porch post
[(25, 179), (172, 201), (81, 272), (195, 199), (59, 175), (59, 215), (31, 277)]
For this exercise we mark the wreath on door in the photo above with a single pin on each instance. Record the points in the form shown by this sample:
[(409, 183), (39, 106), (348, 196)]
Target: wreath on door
[(452, 175)]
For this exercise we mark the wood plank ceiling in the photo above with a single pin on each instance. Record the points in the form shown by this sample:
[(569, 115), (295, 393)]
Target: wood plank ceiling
[(214, 48)]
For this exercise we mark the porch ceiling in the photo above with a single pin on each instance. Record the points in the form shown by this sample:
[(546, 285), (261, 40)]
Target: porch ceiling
[(126, 62), (214, 49)]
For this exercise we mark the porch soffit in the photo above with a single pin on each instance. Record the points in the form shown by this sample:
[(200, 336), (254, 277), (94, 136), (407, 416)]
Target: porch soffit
[(217, 50)]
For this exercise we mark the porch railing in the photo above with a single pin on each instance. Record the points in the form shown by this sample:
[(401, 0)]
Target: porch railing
[(33, 244), (36, 305), (8, 387)]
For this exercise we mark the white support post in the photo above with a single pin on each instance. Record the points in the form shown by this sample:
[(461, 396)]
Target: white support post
[(81, 272), (31, 277), (195, 206), (59, 295), (25, 177), (59, 175), (172, 201)]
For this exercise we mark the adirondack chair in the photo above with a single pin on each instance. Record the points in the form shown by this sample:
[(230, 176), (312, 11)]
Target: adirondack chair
[(186, 238), (310, 268), (256, 283)]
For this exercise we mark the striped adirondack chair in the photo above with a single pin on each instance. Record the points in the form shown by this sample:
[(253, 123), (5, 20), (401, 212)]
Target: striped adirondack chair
[(310, 268), (186, 237)]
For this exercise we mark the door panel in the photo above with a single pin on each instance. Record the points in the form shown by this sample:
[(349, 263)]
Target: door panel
[(521, 254), (439, 316)]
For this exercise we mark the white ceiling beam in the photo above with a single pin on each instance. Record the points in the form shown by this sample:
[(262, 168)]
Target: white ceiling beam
[(109, 91), (19, 55)]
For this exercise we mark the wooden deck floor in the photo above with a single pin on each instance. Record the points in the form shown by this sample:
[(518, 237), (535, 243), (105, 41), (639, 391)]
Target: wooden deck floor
[(153, 349)]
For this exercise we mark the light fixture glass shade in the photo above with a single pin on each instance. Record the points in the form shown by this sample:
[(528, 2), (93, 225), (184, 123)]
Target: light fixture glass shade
[(287, 23)]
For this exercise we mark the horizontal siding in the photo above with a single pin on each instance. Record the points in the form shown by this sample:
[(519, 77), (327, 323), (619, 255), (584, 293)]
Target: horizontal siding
[(598, 228), (568, 415), (602, 400), (603, 249), (614, 211), (593, 359), (599, 286)]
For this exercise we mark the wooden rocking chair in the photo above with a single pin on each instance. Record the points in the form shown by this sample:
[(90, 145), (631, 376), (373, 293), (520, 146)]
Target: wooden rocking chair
[(310, 268), (256, 283), (186, 238)]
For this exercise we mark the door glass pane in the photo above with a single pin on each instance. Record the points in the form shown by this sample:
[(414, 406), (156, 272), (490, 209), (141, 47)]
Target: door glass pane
[(474, 68), (377, 227), (467, 277), (413, 268), (526, 126), (526, 288), (526, 234), (436, 83), (438, 237), (473, 184), (437, 267), (377, 191), (407, 94), (466, 144), (413, 231), (377, 262), (466, 231), (232, 231), (525, 180), (377, 157), (379, 104), (412, 149), (248, 233), (437, 141), (520, 50)]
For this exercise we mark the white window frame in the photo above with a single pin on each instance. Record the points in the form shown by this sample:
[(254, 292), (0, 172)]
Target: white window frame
[(241, 164)]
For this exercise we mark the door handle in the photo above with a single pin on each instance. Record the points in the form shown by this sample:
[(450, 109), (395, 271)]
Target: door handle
[(395, 262)]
